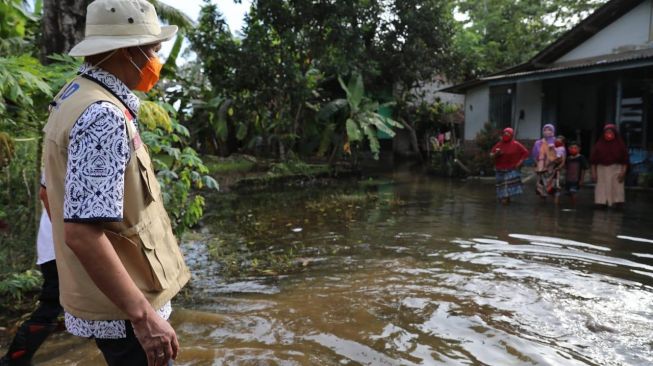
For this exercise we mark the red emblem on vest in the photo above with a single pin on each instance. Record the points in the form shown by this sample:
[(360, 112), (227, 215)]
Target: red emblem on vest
[(136, 140)]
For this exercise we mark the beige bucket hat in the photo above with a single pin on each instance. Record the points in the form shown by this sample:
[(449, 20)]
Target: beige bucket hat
[(114, 24)]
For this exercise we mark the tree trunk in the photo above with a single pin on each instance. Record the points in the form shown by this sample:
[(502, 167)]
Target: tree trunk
[(62, 26), (413, 139)]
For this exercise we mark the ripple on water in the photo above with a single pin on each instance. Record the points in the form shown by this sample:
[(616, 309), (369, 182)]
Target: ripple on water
[(551, 296), (558, 241)]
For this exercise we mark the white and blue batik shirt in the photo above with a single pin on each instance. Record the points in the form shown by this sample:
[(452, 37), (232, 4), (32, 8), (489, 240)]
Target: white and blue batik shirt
[(98, 153)]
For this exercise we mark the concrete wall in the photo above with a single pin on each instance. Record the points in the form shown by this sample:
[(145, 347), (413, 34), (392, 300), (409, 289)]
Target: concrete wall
[(529, 100), (630, 31), (429, 91), (477, 110)]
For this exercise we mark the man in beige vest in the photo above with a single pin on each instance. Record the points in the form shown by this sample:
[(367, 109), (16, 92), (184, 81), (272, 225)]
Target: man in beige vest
[(119, 263)]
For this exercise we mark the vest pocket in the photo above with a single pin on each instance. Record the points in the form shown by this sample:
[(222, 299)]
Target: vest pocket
[(136, 261), (154, 240), (148, 177)]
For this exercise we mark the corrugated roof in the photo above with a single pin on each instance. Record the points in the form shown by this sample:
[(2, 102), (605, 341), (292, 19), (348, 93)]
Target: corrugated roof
[(626, 58)]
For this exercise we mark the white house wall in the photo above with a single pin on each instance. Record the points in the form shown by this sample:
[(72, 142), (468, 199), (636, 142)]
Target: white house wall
[(429, 92), (630, 31), (528, 100), (477, 110)]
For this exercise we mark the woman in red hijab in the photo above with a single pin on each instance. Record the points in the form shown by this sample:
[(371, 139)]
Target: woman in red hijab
[(508, 155), (609, 160)]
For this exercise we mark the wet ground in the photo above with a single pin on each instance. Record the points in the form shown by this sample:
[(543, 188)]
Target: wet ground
[(410, 270)]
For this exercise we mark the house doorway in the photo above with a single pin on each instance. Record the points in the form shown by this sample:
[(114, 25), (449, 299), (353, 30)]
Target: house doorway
[(502, 105), (581, 106)]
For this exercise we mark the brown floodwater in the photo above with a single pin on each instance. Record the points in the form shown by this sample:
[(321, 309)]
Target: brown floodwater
[(411, 270)]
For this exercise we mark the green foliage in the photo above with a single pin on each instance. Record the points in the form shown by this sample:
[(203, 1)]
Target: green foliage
[(429, 119), (14, 22), (487, 137), (479, 160), (153, 116), (7, 149), (415, 43), (182, 172), (172, 15), (26, 88), (284, 70), (16, 285), (360, 115), (297, 167), (232, 164), (497, 34)]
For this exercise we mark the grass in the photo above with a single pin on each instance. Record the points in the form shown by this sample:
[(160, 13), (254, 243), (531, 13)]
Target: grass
[(218, 165), (235, 164)]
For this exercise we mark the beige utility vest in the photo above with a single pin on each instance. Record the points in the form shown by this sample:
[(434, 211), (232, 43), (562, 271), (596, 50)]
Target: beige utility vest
[(144, 239)]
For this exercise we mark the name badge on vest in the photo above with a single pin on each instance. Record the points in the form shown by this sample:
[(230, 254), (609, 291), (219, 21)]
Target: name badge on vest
[(136, 142), (70, 90)]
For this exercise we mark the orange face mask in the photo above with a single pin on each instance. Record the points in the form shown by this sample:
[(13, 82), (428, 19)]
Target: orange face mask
[(149, 73)]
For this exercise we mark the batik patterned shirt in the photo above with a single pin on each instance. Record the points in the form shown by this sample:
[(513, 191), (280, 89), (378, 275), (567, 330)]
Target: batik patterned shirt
[(98, 154)]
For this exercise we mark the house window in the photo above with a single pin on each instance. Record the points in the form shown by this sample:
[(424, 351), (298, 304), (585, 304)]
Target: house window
[(633, 118)]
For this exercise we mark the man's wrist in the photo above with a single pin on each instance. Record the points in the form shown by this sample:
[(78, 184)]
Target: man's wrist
[(139, 311)]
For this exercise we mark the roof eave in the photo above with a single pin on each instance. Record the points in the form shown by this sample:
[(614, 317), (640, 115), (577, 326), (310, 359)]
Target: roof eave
[(588, 27)]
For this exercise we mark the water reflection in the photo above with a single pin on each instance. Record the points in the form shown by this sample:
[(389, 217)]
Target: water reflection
[(431, 273)]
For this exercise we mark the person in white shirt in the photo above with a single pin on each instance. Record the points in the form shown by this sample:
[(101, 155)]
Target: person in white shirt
[(43, 321)]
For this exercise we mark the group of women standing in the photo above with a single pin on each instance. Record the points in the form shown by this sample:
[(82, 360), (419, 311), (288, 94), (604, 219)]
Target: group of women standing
[(608, 164)]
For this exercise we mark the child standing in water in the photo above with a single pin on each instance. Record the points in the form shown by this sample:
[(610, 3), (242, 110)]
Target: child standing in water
[(576, 166)]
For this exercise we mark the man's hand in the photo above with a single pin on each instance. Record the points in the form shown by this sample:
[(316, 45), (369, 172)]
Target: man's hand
[(99, 258), (157, 338)]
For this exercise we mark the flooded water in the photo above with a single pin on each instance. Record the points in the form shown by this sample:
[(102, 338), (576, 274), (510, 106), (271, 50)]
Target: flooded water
[(410, 270)]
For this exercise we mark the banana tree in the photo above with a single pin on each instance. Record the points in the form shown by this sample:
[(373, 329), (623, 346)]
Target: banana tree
[(360, 116)]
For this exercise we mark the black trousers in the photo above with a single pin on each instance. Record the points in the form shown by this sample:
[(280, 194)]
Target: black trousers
[(43, 321), (123, 351)]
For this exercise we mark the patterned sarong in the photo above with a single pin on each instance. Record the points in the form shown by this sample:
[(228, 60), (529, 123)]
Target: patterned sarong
[(548, 182), (508, 183)]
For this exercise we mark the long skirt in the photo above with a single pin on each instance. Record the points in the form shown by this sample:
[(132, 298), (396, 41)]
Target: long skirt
[(548, 182), (508, 183), (608, 190)]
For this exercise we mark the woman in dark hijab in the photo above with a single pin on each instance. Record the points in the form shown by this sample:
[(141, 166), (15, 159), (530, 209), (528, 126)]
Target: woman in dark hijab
[(609, 160)]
